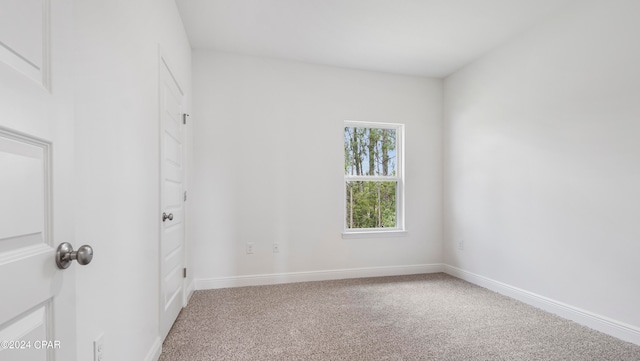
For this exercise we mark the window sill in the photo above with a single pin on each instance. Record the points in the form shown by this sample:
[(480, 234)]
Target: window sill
[(374, 234)]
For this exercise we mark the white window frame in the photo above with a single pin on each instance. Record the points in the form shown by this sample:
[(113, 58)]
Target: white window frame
[(399, 230)]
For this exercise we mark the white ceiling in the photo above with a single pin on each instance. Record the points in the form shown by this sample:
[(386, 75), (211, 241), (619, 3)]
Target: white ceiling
[(419, 37)]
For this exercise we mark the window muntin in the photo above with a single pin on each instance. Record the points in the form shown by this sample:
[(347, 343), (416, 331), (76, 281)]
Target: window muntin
[(373, 177)]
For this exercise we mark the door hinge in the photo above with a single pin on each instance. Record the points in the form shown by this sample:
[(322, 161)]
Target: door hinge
[(184, 118), (185, 196), (184, 273)]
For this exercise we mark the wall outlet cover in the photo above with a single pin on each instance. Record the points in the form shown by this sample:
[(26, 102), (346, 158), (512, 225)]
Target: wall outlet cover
[(98, 348)]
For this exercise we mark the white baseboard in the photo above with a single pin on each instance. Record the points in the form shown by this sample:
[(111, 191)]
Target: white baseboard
[(291, 277), (597, 322), (155, 351)]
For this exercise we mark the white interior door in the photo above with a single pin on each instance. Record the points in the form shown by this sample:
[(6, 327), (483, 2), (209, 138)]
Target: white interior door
[(172, 199), (37, 300)]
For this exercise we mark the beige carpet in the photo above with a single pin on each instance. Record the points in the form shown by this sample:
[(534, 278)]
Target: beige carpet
[(421, 317)]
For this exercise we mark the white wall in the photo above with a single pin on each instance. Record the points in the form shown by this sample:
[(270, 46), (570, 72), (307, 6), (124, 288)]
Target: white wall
[(116, 118), (542, 161), (269, 165)]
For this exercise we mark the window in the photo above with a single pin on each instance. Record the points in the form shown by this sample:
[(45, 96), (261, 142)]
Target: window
[(373, 177)]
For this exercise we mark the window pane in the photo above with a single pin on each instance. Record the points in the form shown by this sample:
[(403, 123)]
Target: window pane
[(371, 204), (370, 151)]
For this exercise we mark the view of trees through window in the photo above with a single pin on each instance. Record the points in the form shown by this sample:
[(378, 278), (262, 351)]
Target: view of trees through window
[(371, 179)]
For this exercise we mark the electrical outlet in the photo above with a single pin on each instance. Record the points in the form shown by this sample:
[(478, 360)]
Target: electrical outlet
[(98, 348), (461, 244), (249, 247), (276, 247)]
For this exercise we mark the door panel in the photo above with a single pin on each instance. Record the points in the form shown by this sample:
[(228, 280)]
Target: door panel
[(37, 300), (172, 190), (24, 37), (29, 335), (27, 269), (24, 165), (173, 150), (173, 199)]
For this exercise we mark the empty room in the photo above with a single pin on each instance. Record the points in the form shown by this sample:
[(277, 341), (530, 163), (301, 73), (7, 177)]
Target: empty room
[(186, 180)]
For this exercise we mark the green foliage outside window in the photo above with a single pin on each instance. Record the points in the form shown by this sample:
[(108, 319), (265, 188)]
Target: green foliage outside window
[(370, 153), (371, 204)]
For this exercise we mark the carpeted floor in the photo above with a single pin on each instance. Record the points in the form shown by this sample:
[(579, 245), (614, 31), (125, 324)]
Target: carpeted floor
[(420, 317)]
